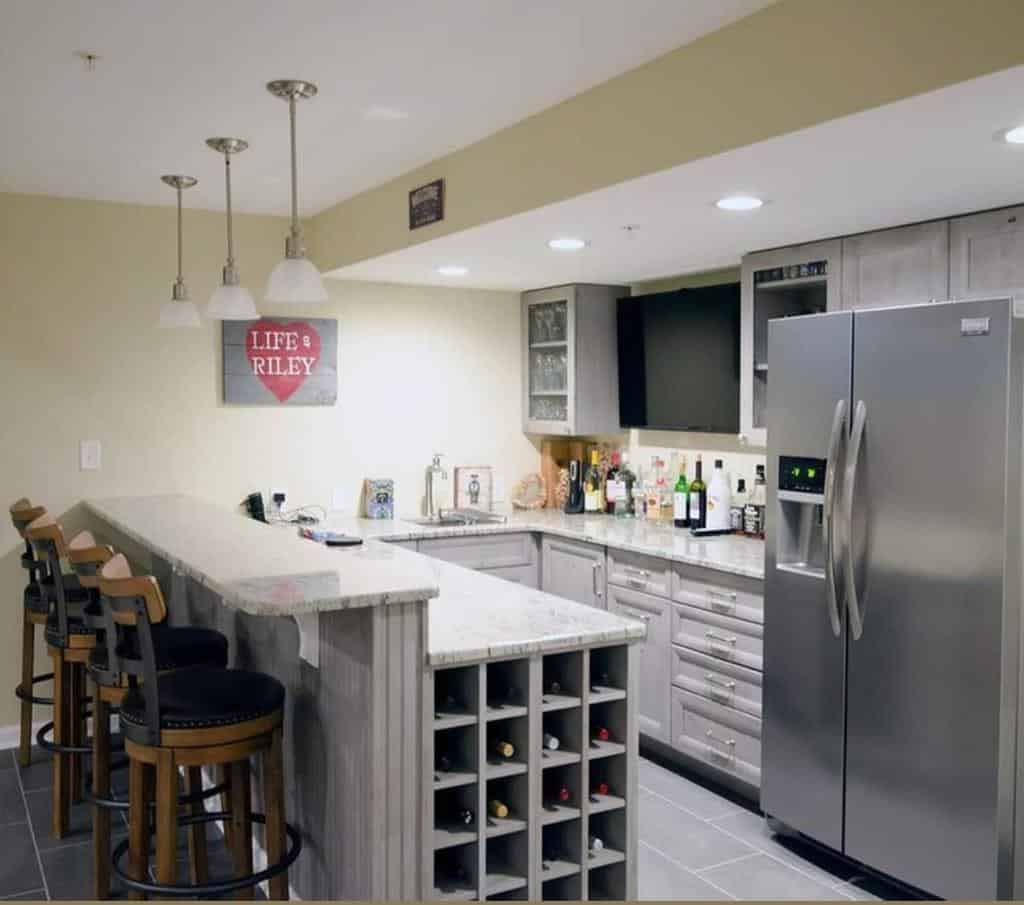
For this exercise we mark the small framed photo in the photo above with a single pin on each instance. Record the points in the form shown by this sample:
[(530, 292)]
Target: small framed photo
[(426, 204), (474, 487)]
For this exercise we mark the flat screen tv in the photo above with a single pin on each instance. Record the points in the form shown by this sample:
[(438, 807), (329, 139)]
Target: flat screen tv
[(679, 360)]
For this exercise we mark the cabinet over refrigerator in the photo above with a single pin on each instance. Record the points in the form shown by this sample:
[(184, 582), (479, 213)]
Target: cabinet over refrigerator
[(893, 591)]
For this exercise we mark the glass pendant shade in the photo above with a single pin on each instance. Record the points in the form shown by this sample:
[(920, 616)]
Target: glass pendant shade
[(179, 314), (295, 280), (231, 303)]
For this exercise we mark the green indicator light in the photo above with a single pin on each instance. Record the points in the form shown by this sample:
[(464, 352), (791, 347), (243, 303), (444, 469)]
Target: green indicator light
[(811, 472), (796, 472)]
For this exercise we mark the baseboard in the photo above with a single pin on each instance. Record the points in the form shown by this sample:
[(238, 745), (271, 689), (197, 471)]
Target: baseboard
[(10, 736)]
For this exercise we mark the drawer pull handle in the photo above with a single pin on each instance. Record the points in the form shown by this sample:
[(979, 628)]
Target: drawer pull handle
[(643, 617), (597, 589), (712, 679), (723, 600), (728, 743), (714, 636)]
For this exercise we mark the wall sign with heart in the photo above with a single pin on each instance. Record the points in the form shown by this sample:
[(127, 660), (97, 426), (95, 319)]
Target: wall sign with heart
[(281, 361)]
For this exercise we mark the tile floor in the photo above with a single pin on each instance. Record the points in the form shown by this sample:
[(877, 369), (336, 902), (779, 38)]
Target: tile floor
[(695, 843)]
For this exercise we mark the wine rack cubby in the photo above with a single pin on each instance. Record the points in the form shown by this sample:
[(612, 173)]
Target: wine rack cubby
[(513, 815)]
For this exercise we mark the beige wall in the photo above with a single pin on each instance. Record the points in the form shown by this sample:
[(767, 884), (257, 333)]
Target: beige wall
[(420, 370)]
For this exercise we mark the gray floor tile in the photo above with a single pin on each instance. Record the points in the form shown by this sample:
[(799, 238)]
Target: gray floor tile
[(35, 895), (819, 865), (19, 868), (39, 773), (659, 878), (40, 811), (762, 877), (12, 808), (69, 873), (7, 760), (690, 841), (681, 791)]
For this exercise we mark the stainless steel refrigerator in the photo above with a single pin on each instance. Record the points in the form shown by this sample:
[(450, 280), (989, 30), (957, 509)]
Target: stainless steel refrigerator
[(893, 591)]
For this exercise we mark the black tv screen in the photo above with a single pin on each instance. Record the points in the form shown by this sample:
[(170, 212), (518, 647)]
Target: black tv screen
[(679, 360)]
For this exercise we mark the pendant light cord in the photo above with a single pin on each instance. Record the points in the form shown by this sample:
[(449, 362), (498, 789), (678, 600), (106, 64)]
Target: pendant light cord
[(179, 236), (296, 231), (231, 240)]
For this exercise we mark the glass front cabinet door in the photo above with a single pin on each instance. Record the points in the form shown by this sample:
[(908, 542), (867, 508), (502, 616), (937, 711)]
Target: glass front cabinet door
[(568, 341)]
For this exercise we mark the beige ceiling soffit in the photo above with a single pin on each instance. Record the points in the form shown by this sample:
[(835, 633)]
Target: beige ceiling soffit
[(792, 65)]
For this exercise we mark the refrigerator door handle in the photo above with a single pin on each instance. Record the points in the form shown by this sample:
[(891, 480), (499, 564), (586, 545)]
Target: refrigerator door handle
[(860, 417), (836, 438)]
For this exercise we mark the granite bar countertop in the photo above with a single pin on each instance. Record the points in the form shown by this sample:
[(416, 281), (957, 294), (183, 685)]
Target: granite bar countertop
[(259, 568), (726, 553)]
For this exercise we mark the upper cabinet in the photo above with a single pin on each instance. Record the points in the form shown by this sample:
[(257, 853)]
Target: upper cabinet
[(904, 266), (570, 360), (987, 254), (800, 279)]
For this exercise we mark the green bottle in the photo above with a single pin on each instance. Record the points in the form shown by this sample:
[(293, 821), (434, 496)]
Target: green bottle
[(681, 499)]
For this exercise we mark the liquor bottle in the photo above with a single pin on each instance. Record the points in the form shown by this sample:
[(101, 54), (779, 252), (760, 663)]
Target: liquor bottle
[(625, 502), (602, 788), (497, 808), (551, 742), (592, 496), (466, 817), (719, 499), (504, 749), (698, 498), (654, 488), (595, 844), (739, 500), (681, 498), (754, 510), (611, 486), (602, 734)]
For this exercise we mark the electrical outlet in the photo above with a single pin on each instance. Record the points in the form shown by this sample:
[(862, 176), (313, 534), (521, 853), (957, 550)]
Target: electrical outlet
[(278, 498), (90, 454)]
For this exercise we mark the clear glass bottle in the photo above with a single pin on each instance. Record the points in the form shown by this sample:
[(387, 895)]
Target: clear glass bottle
[(627, 481)]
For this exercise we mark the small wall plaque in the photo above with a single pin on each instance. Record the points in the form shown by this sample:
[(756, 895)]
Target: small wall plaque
[(473, 487), (426, 204)]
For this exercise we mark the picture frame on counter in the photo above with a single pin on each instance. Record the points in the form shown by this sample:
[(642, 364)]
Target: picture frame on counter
[(474, 487)]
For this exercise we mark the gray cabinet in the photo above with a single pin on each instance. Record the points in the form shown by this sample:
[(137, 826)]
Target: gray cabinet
[(514, 557), (573, 570), (904, 266), (570, 360), (987, 254), (655, 669)]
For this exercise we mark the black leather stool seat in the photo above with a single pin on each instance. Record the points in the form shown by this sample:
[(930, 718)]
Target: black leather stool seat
[(204, 698), (73, 590), (175, 648), (35, 600)]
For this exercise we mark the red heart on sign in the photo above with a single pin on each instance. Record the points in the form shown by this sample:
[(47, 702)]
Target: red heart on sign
[(282, 356)]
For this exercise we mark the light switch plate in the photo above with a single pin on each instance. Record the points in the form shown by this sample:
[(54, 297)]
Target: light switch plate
[(89, 455)]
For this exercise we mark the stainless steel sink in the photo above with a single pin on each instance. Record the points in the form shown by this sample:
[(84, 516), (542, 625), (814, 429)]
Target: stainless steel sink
[(460, 518)]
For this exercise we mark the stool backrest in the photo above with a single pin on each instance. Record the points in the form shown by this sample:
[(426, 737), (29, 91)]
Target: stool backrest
[(47, 539), (132, 605), (23, 513), (87, 558)]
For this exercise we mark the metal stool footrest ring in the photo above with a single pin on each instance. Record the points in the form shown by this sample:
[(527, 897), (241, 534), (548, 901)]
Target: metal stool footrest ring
[(207, 890), (47, 745), (121, 804), (34, 698)]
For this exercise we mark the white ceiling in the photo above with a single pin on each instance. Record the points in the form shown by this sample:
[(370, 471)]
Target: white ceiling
[(930, 156), (173, 74)]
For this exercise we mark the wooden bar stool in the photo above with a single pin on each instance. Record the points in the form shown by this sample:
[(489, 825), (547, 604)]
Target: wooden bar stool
[(69, 641), (176, 648), (35, 609), (193, 718)]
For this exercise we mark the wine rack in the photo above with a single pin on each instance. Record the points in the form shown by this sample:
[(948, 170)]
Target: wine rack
[(514, 814)]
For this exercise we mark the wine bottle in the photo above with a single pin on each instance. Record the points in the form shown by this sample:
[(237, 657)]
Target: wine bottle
[(681, 498), (596, 844), (498, 808), (554, 687), (592, 501), (551, 742), (562, 794), (504, 748), (602, 734), (698, 498), (719, 499), (444, 763), (466, 817), (611, 486), (601, 788), (625, 500)]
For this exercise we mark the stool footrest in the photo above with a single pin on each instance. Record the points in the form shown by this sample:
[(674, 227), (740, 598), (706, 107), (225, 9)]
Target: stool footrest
[(35, 699), (206, 890), (47, 745)]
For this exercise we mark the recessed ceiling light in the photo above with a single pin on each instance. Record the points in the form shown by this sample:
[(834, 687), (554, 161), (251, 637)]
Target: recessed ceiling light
[(452, 270), (566, 243), (739, 203), (1014, 136)]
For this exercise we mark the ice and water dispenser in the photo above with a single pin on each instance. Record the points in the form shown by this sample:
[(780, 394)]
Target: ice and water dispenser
[(800, 525)]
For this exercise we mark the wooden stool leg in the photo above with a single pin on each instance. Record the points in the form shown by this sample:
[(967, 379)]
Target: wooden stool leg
[(166, 816), (241, 824), (61, 772), (101, 789), (140, 793), (75, 710), (273, 804), (198, 870), (223, 776), (28, 657)]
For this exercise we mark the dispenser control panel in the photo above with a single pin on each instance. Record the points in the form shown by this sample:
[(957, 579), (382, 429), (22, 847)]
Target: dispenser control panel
[(801, 475)]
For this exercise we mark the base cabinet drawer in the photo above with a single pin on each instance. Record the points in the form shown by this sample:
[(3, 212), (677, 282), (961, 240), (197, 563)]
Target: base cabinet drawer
[(727, 595), (483, 551), (717, 735), (724, 683), (639, 572), (722, 637)]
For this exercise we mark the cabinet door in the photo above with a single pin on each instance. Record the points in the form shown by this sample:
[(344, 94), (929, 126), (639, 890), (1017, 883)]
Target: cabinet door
[(987, 254), (655, 680), (905, 266), (549, 360), (573, 570)]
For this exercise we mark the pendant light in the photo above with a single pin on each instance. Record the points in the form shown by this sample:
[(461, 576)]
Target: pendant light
[(295, 279), (180, 311), (230, 301)]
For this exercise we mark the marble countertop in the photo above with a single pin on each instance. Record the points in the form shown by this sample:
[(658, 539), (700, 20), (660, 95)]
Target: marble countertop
[(727, 553), (259, 568)]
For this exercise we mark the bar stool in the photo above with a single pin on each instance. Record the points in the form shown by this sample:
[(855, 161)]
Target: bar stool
[(176, 648), (69, 641), (34, 611), (193, 718)]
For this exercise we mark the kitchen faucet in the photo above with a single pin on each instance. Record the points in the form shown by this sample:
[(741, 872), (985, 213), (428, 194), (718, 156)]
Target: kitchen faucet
[(433, 472)]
